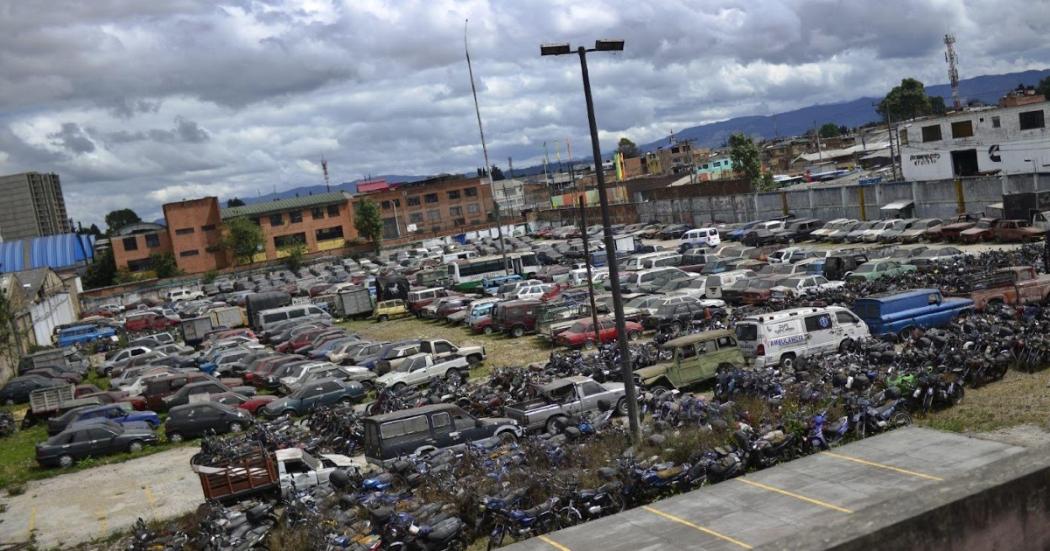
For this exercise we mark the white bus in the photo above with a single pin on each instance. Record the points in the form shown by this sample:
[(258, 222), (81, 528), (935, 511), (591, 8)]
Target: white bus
[(466, 275)]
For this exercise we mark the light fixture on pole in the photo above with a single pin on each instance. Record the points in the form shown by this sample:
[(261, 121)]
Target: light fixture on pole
[(610, 244)]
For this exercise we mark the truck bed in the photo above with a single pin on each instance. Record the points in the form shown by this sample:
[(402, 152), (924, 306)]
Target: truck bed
[(250, 474)]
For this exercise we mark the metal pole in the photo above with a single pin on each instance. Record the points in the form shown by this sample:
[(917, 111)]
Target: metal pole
[(614, 272), (587, 262), (485, 151)]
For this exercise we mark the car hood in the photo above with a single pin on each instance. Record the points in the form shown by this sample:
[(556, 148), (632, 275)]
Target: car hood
[(973, 230), (278, 405), (338, 460), (652, 371), (391, 378), (497, 421)]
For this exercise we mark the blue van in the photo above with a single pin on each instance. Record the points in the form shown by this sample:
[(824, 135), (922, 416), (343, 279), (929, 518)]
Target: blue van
[(898, 313), (83, 334), (491, 285)]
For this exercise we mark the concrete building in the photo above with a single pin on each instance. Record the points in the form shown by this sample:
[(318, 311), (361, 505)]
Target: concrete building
[(445, 203), (32, 206), (1009, 139)]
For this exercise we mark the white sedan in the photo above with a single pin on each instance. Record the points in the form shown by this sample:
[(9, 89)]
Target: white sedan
[(804, 285)]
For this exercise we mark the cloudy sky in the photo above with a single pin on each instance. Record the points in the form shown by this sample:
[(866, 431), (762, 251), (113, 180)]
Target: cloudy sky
[(138, 103)]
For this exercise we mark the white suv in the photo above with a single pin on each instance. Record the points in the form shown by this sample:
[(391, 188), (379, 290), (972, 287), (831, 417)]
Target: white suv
[(179, 295)]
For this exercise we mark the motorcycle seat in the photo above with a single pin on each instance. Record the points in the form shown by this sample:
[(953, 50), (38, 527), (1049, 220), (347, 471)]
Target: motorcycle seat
[(610, 487), (539, 509), (446, 529), (672, 472), (885, 410)]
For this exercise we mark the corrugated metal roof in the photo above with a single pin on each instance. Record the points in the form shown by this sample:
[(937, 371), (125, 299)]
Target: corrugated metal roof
[(258, 209), (52, 251)]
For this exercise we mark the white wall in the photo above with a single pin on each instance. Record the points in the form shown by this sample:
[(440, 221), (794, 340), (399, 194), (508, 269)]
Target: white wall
[(49, 313)]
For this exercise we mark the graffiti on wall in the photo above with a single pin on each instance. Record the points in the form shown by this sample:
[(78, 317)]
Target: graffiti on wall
[(924, 159)]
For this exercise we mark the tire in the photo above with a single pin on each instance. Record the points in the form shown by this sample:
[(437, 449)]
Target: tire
[(658, 390), (399, 388), (621, 407), (175, 438), (346, 400), (487, 330), (901, 419), (787, 361), (517, 332), (845, 346), (289, 412), (66, 461), (383, 318), (677, 327), (588, 345), (236, 427), (552, 423), (453, 376), (903, 334), (633, 335), (135, 447), (507, 437), (474, 360)]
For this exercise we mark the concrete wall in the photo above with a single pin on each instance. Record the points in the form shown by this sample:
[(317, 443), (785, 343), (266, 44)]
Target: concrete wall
[(935, 199), (1005, 505)]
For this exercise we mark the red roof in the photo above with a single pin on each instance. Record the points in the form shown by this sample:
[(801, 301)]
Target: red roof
[(372, 185)]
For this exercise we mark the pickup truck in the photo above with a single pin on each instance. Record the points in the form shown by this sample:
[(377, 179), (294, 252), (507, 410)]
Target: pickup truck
[(420, 369), (441, 348), (1014, 285), (561, 399), (260, 472)]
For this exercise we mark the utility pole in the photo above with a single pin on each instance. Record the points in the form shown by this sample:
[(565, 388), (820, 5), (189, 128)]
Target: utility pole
[(485, 152), (510, 168)]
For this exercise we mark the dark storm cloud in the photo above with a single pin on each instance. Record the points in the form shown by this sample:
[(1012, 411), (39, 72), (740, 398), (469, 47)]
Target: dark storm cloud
[(136, 103)]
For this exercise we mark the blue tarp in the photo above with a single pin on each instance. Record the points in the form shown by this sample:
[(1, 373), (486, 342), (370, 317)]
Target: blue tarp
[(52, 251)]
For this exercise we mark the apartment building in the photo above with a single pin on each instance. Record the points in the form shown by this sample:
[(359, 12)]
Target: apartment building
[(32, 206), (321, 222), (441, 204)]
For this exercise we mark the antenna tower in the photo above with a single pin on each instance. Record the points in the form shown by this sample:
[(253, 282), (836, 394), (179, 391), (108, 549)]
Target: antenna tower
[(324, 167), (953, 69)]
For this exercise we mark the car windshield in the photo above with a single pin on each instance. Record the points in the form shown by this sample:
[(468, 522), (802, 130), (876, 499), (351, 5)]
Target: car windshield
[(984, 224), (580, 327), (764, 284), (638, 302)]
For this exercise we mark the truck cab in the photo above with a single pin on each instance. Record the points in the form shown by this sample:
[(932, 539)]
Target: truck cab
[(696, 358), (297, 469)]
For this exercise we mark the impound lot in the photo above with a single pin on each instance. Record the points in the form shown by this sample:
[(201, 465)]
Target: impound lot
[(802, 495)]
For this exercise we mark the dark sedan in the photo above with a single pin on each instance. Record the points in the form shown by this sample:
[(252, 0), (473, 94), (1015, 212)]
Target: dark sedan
[(96, 439), (322, 392), (193, 420), (17, 390)]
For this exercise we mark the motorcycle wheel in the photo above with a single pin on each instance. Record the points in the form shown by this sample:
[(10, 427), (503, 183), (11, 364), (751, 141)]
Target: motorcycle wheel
[(567, 518), (495, 540), (901, 419)]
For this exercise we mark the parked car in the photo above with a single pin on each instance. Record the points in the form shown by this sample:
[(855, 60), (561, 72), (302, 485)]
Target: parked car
[(559, 400), (323, 392), (203, 389), (878, 268), (780, 338), (678, 316), (981, 231), (97, 439), (922, 228), (200, 418), (950, 229), (422, 368), (1016, 231), (935, 258), (582, 333), (251, 404), (696, 359), (78, 335), (900, 313), (803, 285), (390, 309), (426, 429), (117, 413)]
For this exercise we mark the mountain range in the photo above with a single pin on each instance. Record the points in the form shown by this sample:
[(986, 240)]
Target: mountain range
[(986, 89)]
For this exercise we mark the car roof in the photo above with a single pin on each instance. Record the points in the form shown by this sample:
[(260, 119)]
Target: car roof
[(698, 337), (406, 413)]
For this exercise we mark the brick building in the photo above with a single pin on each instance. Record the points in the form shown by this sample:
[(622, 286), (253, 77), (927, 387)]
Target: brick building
[(442, 204), (134, 244), (195, 231), (322, 222)]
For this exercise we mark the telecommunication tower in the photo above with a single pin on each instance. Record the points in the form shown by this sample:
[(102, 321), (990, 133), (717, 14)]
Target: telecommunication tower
[(953, 69)]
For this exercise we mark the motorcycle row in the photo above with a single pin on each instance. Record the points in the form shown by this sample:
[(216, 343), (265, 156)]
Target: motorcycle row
[(505, 490)]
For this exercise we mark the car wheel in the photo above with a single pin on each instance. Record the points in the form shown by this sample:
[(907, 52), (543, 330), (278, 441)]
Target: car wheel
[(507, 437), (399, 388), (135, 447), (236, 427), (474, 360), (175, 437), (518, 332), (787, 361), (846, 345), (588, 345), (454, 377), (553, 422), (346, 400), (677, 327), (487, 330), (657, 390), (66, 461), (633, 335), (621, 407), (383, 318), (289, 412)]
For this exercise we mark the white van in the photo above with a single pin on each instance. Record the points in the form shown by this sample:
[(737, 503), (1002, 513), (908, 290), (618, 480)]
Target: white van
[(267, 318), (716, 282), (701, 237), (784, 336), (652, 278), (639, 262)]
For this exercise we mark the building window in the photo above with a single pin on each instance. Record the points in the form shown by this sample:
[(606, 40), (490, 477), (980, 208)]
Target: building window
[(434, 215), (295, 216), (473, 208), (931, 133), (470, 192), (324, 234), (317, 213), (152, 240), (1031, 119), (397, 202), (183, 231), (140, 264), (962, 129), (460, 222), (385, 205), (131, 243), (902, 136), (283, 241), (415, 218), (995, 122), (431, 198), (333, 210), (453, 195), (413, 200), (191, 252), (213, 248), (455, 212), (208, 227), (276, 219)]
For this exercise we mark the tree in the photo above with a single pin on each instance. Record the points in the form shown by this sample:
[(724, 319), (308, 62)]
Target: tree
[(768, 183), (368, 223), (906, 101), (242, 238), (296, 254), (497, 174), (120, 218), (101, 272), (235, 202), (937, 106), (744, 154), (164, 265), (627, 148), (829, 130), (1043, 87)]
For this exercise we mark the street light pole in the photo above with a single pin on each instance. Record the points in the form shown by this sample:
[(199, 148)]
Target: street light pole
[(610, 243)]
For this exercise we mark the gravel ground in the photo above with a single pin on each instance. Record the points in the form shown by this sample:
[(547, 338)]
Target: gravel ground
[(78, 507)]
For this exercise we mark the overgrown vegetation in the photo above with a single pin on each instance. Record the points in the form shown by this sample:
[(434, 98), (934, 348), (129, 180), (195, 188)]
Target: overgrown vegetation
[(242, 238), (369, 223), (164, 265), (296, 254), (746, 160)]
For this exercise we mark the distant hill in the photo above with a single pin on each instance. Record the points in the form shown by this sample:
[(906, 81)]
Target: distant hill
[(302, 191), (987, 89)]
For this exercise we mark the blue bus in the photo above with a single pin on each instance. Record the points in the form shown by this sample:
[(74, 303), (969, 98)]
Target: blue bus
[(899, 313)]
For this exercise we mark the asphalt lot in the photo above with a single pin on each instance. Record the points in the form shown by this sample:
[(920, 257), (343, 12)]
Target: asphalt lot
[(78, 507), (773, 504)]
